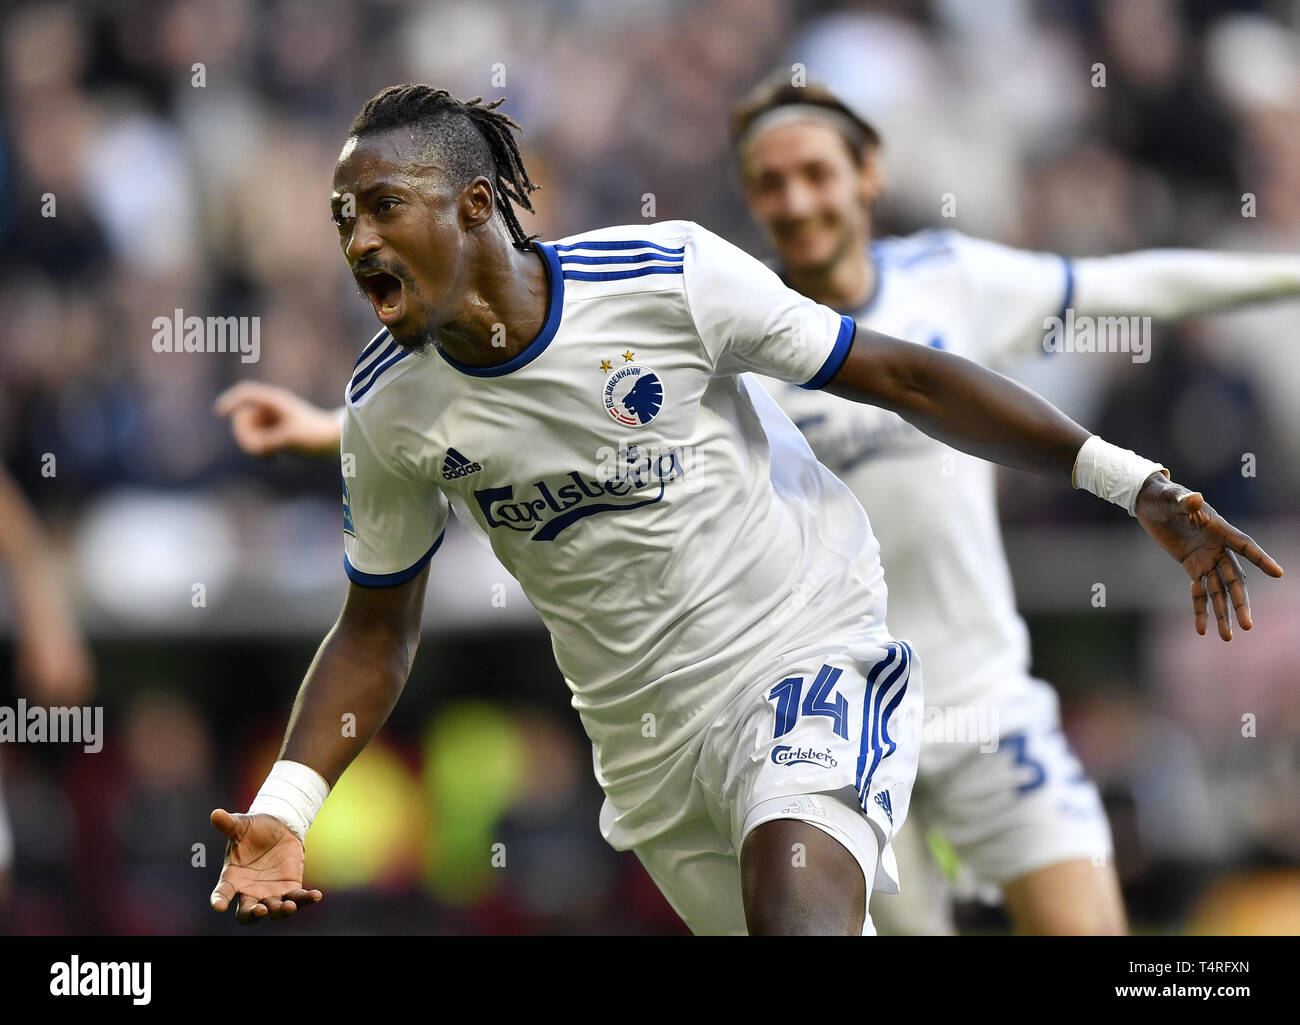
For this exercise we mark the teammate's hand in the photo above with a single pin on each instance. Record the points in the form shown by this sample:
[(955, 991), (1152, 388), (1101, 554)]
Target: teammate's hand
[(263, 866), (1203, 542), (266, 419)]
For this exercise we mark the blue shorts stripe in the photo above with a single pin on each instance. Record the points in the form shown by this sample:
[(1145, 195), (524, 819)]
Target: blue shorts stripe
[(900, 672), (896, 700), (866, 739)]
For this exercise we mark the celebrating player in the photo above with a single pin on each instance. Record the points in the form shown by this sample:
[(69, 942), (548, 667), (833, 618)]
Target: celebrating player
[(1023, 817), (713, 593)]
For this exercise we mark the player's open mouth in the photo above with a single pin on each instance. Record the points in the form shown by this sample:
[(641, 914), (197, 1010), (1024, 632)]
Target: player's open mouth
[(385, 294)]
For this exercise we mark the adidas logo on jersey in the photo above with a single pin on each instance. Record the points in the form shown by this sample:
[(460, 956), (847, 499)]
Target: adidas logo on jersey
[(456, 465), (886, 806)]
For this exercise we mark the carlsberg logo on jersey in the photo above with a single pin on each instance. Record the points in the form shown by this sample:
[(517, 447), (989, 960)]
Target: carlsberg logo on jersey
[(787, 755), (551, 505)]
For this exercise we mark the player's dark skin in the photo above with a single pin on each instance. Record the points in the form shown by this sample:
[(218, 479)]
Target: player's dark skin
[(461, 276)]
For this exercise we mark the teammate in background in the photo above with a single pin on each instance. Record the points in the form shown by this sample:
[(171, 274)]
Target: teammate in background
[(1024, 817), (52, 663), (774, 690)]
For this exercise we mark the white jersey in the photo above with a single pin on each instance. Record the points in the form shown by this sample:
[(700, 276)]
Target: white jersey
[(933, 508), (669, 524)]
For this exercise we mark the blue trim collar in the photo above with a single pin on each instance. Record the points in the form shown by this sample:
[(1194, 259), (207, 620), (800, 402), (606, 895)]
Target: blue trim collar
[(554, 310)]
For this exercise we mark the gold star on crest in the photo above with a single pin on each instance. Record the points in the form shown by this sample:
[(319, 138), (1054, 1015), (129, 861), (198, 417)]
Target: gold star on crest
[(629, 356), (606, 365)]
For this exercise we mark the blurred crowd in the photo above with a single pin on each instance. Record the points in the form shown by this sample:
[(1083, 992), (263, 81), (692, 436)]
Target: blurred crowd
[(162, 155)]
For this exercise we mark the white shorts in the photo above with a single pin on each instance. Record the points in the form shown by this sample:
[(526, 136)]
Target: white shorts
[(1005, 812), (813, 740)]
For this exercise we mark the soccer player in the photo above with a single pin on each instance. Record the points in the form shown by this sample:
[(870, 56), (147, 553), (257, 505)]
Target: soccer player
[(713, 594), (1023, 817), (52, 661)]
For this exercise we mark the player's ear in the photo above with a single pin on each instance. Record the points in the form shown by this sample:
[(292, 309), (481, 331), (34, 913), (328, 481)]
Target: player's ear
[(871, 181), (476, 204)]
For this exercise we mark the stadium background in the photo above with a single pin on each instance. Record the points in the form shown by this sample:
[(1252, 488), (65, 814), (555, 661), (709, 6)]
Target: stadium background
[(213, 199)]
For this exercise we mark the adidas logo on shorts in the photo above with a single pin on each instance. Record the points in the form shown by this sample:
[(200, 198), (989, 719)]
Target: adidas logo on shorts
[(456, 465), (882, 799)]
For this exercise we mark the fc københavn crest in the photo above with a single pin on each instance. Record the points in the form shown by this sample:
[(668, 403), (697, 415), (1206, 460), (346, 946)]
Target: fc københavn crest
[(633, 395)]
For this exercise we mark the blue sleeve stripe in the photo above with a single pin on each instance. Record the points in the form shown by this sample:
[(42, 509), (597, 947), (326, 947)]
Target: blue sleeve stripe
[(618, 245), (371, 346), (363, 375), (390, 579), (1068, 297), (839, 353), (379, 372), (1069, 286), (634, 258), (618, 275)]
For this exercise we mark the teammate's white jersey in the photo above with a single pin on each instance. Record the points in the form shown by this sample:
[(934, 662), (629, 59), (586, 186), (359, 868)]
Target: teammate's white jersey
[(670, 534), (933, 508)]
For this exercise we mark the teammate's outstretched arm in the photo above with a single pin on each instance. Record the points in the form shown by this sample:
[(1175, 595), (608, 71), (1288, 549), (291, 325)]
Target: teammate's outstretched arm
[(1170, 283), (360, 670), (981, 412), (266, 419)]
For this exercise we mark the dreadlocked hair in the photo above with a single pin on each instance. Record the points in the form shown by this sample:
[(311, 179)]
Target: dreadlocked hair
[(472, 138)]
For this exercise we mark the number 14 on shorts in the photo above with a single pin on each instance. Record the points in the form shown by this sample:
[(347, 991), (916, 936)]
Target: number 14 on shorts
[(817, 701)]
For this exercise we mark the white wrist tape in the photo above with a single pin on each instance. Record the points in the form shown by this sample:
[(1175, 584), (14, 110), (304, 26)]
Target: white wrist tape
[(293, 793), (1113, 473)]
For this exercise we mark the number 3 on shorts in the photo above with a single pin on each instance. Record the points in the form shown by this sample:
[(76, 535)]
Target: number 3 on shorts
[(786, 695), (1017, 744)]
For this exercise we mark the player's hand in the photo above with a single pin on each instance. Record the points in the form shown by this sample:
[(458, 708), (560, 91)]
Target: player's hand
[(263, 867), (266, 419), (1204, 543)]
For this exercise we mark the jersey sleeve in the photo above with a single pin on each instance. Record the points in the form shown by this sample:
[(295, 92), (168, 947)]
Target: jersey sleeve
[(749, 320), (1011, 295), (392, 524)]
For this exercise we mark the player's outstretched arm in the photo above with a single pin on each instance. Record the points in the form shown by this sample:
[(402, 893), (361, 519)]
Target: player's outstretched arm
[(981, 412), (1171, 283), (359, 672), (266, 419)]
